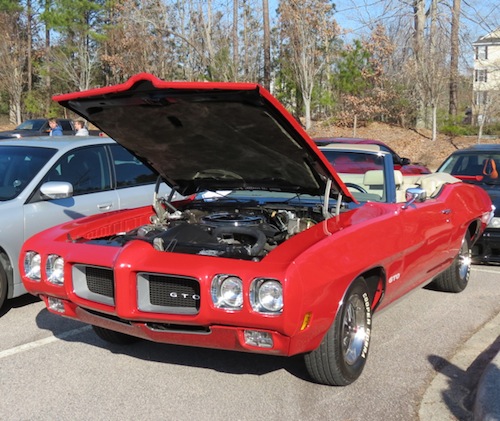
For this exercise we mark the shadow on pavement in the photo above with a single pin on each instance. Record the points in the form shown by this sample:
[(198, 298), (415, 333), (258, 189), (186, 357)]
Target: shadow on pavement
[(21, 301), (462, 385), (219, 360)]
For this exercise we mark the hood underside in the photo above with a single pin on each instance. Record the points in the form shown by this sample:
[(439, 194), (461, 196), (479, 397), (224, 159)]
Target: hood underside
[(208, 136)]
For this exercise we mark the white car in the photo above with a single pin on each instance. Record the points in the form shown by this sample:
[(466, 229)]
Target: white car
[(45, 181)]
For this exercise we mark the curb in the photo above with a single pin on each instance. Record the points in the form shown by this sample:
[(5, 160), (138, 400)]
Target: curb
[(487, 403), (467, 387)]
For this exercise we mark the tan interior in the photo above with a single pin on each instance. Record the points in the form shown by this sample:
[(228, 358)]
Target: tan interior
[(372, 181)]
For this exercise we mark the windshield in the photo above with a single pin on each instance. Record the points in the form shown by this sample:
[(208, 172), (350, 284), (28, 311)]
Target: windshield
[(475, 167), (362, 173), (18, 166), (31, 125)]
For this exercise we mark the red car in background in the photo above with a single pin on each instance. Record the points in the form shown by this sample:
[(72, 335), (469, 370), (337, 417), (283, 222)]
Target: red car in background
[(402, 164)]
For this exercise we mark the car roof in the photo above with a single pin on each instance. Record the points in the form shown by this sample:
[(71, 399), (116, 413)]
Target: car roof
[(58, 142), (351, 140), (351, 147), (481, 148)]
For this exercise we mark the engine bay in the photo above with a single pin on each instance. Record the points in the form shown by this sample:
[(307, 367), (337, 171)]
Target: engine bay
[(222, 229)]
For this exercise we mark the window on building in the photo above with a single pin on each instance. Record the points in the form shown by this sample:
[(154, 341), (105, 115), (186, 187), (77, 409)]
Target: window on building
[(481, 75), (481, 97), (482, 52)]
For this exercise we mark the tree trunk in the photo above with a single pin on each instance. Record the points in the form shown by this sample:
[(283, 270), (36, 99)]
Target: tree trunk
[(434, 121), (454, 53), (267, 46), (29, 47), (418, 45), (235, 40)]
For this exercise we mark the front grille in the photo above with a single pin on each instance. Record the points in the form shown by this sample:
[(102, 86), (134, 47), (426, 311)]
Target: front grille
[(168, 293), (100, 281), (94, 283)]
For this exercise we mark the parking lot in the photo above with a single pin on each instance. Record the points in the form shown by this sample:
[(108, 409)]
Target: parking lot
[(86, 378)]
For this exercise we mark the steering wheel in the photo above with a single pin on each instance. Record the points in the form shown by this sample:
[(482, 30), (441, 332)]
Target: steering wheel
[(356, 187)]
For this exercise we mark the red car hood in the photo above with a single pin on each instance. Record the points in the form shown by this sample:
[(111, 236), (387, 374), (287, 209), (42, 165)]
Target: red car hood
[(208, 136)]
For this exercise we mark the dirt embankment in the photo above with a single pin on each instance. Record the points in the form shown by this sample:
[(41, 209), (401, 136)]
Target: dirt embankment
[(417, 146)]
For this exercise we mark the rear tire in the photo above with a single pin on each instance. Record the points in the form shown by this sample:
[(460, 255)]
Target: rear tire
[(114, 337), (456, 277), (341, 356)]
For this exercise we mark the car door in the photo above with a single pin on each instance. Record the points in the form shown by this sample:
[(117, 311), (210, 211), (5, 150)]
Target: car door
[(428, 227), (135, 182), (88, 170)]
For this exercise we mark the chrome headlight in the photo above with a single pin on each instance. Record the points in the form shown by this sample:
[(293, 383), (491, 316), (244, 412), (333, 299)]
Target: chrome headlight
[(32, 265), (54, 269), (494, 223), (266, 295), (227, 292)]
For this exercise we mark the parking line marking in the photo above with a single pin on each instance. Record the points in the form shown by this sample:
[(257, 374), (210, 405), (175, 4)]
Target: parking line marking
[(42, 342), (476, 269)]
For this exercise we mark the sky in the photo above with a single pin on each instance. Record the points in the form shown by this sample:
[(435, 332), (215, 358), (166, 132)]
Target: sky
[(479, 16)]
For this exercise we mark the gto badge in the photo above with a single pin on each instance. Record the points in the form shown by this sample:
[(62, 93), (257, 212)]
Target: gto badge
[(174, 294), (394, 278)]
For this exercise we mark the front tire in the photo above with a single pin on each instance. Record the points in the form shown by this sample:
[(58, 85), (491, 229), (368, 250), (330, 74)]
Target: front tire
[(114, 337), (341, 356), (3, 286), (456, 277)]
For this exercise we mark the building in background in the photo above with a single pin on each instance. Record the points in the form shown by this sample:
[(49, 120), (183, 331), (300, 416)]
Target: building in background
[(486, 86)]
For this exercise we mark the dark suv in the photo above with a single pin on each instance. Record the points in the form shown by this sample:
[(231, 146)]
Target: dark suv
[(480, 165), (37, 127)]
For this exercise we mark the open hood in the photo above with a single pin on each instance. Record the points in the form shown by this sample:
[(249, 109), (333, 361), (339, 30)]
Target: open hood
[(208, 136)]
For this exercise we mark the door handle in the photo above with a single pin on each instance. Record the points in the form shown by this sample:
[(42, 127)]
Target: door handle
[(446, 211), (105, 206)]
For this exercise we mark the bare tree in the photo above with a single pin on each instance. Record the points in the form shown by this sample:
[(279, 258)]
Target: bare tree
[(12, 62), (454, 55), (307, 27)]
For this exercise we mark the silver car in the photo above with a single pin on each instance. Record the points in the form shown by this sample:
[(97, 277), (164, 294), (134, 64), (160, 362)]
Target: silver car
[(45, 181)]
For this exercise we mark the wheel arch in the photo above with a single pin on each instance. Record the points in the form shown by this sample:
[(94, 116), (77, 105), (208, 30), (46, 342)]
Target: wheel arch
[(375, 279), (474, 230)]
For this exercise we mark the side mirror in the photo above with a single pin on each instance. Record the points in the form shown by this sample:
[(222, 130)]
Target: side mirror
[(56, 190), (405, 161), (415, 194)]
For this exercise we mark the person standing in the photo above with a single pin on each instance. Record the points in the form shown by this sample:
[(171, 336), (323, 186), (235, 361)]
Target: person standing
[(80, 128), (55, 128)]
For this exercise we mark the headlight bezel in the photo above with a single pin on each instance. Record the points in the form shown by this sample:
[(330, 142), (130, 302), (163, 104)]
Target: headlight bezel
[(54, 269), (259, 297), (494, 223), (223, 285), (32, 264)]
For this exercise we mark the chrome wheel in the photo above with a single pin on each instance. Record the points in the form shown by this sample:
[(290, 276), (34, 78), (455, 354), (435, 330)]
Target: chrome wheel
[(353, 329), (464, 260)]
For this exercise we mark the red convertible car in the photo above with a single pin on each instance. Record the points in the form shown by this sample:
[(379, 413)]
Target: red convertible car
[(271, 251)]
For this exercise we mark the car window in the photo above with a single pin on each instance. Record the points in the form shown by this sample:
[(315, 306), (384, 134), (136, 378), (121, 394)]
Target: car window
[(87, 169), (31, 125), (18, 166), (129, 170), (66, 125), (482, 164)]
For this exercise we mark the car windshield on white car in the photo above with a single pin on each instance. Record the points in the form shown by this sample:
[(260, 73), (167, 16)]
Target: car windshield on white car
[(18, 166)]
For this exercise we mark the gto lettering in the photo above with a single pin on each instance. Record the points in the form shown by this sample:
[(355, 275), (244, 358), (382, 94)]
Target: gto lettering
[(174, 294), (394, 278)]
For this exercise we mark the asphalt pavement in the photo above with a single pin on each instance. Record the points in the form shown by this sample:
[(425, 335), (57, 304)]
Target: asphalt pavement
[(468, 386)]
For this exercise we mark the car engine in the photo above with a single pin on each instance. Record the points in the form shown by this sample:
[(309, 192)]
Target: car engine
[(248, 232)]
